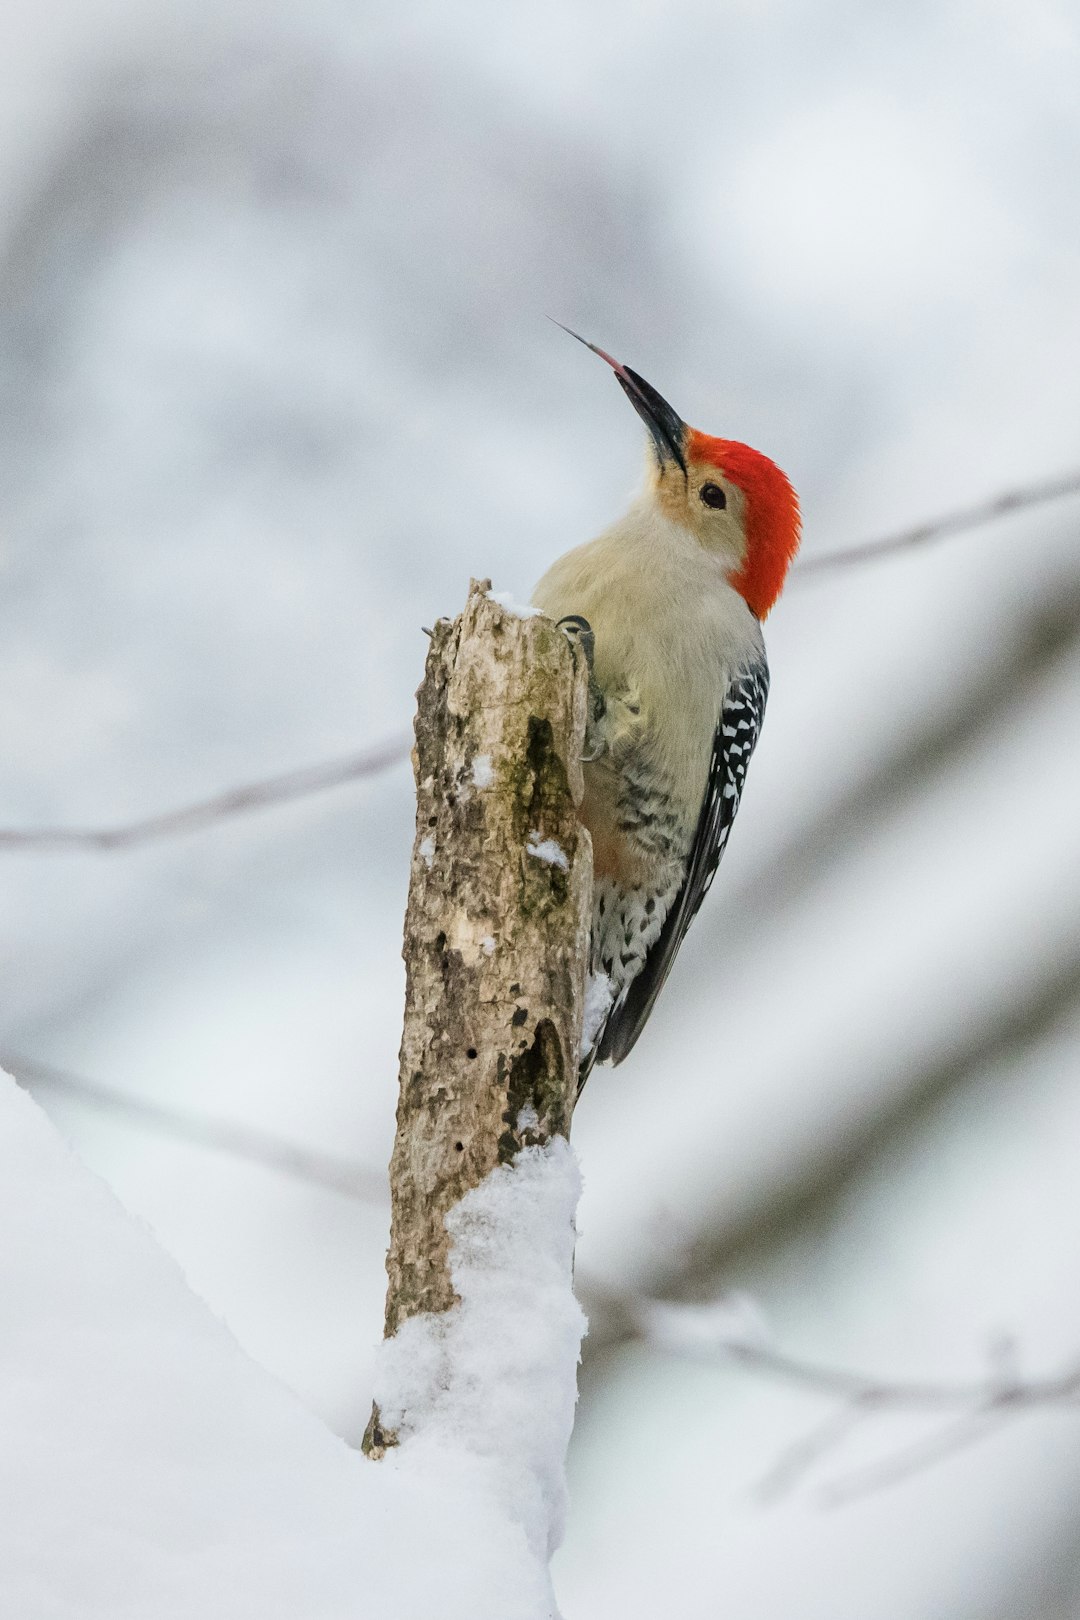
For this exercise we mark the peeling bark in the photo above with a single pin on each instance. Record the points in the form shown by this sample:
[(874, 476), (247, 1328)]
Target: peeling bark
[(496, 930)]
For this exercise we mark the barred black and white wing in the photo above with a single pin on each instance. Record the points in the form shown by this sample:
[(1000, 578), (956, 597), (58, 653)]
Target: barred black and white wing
[(733, 742)]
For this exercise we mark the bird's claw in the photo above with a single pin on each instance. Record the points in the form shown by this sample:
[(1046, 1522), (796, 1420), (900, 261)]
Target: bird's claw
[(577, 629)]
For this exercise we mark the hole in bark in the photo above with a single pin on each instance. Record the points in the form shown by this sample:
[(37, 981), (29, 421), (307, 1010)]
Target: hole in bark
[(459, 1147), (543, 762), (470, 1052), (536, 1081)]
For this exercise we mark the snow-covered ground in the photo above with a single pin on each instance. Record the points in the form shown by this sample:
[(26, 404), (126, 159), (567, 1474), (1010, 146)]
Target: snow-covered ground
[(150, 1467)]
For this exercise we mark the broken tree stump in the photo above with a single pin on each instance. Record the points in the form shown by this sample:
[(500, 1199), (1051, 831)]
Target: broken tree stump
[(496, 930)]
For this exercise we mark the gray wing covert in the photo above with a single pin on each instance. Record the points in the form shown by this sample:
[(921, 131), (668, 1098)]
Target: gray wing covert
[(733, 742)]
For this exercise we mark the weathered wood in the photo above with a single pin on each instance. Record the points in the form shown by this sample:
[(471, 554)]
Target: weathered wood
[(496, 931)]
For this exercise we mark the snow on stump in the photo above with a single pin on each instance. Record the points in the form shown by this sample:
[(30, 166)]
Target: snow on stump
[(482, 1331)]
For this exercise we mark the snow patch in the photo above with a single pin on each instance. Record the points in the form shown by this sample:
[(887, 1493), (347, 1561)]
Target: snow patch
[(482, 773), (494, 1377), (487, 945), (598, 999), (426, 850), (528, 1120), (149, 1468), (546, 849), (505, 600)]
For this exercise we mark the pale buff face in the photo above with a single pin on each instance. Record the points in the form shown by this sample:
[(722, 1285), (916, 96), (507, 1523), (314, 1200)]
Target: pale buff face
[(718, 530)]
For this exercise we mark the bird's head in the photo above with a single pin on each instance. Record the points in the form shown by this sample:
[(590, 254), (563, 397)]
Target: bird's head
[(733, 500)]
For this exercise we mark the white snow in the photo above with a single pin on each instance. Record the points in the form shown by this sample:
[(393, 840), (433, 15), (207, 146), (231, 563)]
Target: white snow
[(482, 773), (426, 850), (487, 945), (150, 1468), (546, 849), (598, 998), (505, 600), (494, 1378)]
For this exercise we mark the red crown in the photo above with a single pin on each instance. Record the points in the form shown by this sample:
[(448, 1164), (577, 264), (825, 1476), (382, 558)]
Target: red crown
[(772, 516)]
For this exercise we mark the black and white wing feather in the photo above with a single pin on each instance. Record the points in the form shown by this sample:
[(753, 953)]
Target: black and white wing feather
[(733, 742)]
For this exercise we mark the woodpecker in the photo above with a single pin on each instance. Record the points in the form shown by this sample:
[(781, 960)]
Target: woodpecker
[(668, 603)]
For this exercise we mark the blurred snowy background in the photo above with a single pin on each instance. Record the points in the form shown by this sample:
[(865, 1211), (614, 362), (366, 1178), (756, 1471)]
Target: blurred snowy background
[(274, 381)]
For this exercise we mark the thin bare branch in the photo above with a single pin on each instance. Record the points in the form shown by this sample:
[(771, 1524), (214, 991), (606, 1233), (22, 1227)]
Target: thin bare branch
[(801, 1456), (868, 1392), (956, 1435), (968, 517), (969, 1409), (246, 1142), (298, 784)]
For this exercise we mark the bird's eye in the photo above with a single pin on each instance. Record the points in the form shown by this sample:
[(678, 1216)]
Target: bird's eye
[(713, 495)]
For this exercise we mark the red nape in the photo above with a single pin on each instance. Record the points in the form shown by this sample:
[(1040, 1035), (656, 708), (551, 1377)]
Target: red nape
[(772, 516)]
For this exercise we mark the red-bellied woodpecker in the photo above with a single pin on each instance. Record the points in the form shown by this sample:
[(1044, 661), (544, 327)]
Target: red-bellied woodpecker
[(669, 603)]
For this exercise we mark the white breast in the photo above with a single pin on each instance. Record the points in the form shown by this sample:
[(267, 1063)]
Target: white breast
[(670, 632)]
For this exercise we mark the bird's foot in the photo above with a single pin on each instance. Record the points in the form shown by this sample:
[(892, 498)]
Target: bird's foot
[(578, 629)]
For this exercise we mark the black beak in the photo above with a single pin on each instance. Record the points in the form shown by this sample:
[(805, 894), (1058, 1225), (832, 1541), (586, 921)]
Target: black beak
[(666, 427)]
